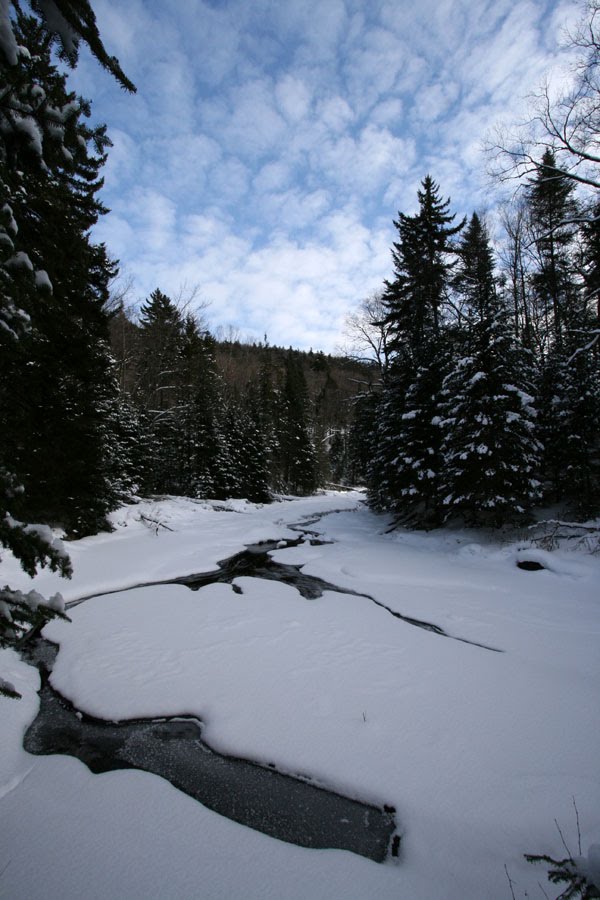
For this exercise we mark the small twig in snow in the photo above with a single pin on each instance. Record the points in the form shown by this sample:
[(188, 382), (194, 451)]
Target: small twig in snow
[(578, 828), (510, 883), (562, 837), (149, 521)]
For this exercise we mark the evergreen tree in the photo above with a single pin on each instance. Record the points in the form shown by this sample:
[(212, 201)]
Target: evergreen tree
[(158, 389), (266, 406), (200, 399), (490, 451), (570, 391), (362, 440), (552, 212), (423, 263), (244, 455), (337, 458), (572, 430), (568, 376), (297, 454), (51, 303), (407, 467), (59, 395), (474, 276), (405, 472)]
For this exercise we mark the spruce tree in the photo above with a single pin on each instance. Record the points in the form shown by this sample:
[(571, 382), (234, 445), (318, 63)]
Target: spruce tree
[(553, 209), (362, 438), (571, 392), (60, 394), (568, 373), (52, 292), (267, 410), (158, 388), (423, 262), (490, 449), (405, 472), (297, 453), (199, 403)]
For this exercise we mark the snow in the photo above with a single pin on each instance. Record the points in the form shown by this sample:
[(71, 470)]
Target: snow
[(8, 44), (478, 376), (20, 260), (479, 751), (42, 280), (593, 865), (56, 23)]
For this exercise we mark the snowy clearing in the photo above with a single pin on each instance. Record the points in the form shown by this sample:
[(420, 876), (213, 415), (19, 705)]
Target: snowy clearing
[(479, 751)]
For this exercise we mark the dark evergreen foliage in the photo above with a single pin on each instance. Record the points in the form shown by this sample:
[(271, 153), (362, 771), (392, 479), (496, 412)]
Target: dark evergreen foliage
[(58, 402), (553, 213), (70, 21), (409, 459), (62, 393), (490, 451), (362, 439), (405, 472), (297, 455), (422, 266)]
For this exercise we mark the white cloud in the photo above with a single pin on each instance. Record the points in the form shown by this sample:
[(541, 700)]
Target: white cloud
[(270, 145), (293, 98)]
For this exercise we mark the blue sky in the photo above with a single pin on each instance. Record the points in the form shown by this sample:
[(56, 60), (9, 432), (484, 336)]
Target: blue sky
[(271, 144)]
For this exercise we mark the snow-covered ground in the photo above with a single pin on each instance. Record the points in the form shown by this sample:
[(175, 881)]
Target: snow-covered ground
[(479, 751)]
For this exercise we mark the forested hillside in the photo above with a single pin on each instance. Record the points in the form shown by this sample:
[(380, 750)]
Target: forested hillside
[(225, 418)]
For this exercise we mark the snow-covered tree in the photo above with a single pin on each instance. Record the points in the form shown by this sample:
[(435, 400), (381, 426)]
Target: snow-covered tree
[(296, 455), (405, 471), (423, 262), (552, 214), (405, 474), (55, 376), (59, 392), (490, 449), (362, 439)]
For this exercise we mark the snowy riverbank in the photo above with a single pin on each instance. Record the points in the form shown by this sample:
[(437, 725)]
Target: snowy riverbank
[(479, 751)]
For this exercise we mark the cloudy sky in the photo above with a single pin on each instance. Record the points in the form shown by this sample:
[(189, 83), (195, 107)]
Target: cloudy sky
[(272, 142)]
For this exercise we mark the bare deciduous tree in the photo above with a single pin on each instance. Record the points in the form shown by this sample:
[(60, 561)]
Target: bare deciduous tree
[(568, 124), (366, 332)]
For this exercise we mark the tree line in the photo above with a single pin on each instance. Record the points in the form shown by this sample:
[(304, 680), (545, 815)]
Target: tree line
[(490, 392), (210, 418)]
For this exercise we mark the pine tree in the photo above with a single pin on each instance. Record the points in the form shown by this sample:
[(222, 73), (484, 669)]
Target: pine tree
[(199, 401), (297, 453), (267, 413), (490, 450), (568, 376), (422, 264), (158, 388), (50, 303), (60, 394), (362, 440), (244, 455), (405, 472), (572, 429), (570, 389), (337, 458), (408, 464), (553, 210)]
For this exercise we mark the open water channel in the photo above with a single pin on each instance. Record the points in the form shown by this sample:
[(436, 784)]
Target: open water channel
[(291, 808)]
